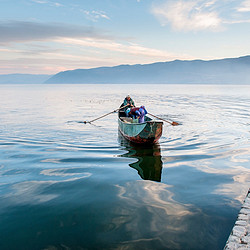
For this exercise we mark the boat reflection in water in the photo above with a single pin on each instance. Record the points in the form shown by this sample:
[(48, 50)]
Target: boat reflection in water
[(149, 164)]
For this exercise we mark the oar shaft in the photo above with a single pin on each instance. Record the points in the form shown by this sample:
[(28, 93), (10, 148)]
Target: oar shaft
[(106, 114), (102, 116), (172, 123)]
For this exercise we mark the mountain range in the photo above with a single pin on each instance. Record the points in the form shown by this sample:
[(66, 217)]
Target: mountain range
[(221, 71)]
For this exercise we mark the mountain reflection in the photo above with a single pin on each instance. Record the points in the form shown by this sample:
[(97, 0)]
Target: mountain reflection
[(149, 164)]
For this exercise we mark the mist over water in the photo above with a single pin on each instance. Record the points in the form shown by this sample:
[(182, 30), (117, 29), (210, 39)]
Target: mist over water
[(69, 185)]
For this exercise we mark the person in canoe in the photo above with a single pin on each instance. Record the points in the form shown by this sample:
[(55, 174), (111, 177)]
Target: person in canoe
[(128, 102), (132, 112), (142, 112), (137, 113)]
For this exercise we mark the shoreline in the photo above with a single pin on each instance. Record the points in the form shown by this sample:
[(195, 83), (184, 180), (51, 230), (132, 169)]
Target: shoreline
[(240, 235)]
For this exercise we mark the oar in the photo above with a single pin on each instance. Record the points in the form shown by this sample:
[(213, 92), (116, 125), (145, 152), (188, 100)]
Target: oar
[(106, 114), (172, 123)]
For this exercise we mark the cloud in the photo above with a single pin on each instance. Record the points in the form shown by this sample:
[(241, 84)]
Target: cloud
[(81, 37), (245, 6), (69, 53), (20, 31), (39, 1), (237, 21), (126, 48), (47, 2), (95, 15), (51, 47), (188, 15), (239, 13)]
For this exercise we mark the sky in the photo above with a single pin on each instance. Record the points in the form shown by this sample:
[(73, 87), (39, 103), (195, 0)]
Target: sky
[(49, 36)]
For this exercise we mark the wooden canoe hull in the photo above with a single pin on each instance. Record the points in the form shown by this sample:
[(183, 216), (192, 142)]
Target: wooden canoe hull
[(147, 132)]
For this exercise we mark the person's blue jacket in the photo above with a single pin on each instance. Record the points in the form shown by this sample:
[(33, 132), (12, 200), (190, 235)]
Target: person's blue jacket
[(143, 112)]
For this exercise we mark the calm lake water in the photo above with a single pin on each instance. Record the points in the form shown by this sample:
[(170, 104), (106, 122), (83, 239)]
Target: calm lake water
[(69, 185)]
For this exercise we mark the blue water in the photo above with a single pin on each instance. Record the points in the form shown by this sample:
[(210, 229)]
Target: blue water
[(69, 185)]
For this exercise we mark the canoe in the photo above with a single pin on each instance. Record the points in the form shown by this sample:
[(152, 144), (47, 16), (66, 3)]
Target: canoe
[(148, 132)]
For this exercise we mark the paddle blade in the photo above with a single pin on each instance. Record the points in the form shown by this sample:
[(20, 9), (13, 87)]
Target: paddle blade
[(175, 124)]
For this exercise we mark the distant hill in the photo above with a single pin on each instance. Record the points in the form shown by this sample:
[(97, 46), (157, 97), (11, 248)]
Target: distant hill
[(223, 71), (23, 78)]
